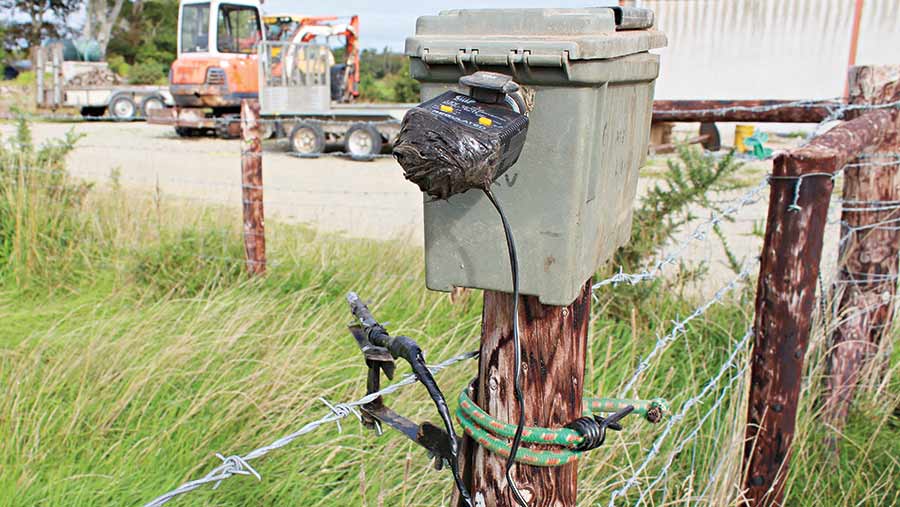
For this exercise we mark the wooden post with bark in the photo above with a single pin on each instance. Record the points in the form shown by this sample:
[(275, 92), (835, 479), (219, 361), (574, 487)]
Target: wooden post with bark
[(870, 245), (252, 188), (789, 267), (554, 343)]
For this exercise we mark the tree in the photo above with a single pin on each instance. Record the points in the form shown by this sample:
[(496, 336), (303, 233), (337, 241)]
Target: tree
[(147, 31), (46, 18), (101, 18)]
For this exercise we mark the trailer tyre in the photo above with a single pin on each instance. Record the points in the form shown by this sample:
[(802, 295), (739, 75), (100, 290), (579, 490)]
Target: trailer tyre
[(713, 141), (121, 107), (151, 103), (362, 141), (307, 139)]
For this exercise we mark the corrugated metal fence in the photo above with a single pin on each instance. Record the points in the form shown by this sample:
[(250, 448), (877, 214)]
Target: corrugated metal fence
[(742, 49)]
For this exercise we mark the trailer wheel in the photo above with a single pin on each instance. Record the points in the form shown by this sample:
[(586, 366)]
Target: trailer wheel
[(362, 140), (228, 126), (307, 139), (713, 141), (121, 107), (151, 103)]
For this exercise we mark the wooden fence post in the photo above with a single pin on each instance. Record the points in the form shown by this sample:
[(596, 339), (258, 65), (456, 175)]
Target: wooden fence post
[(789, 267), (868, 253), (554, 344), (252, 188), (40, 62)]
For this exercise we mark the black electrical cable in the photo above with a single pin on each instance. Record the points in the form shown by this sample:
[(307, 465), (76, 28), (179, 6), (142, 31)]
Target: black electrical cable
[(409, 350), (517, 383)]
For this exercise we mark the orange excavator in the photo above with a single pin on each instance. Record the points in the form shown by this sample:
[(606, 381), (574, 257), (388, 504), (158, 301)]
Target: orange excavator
[(217, 63)]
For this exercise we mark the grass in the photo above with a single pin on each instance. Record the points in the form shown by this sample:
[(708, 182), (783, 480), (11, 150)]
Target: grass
[(132, 348)]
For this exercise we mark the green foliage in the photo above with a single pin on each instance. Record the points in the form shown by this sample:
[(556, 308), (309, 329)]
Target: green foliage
[(26, 78), (689, 182), (670, 204), (161, 352), (147, 31), (176, 262), (118, 65), (384, 77), (147, 72), (380, 64)]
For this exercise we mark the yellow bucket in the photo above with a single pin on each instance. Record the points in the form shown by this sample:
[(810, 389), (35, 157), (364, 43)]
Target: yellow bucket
[(742, 132)]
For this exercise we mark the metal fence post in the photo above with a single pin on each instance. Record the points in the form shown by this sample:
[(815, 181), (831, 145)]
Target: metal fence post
[(789, 267), (252, 188), (868, 263)]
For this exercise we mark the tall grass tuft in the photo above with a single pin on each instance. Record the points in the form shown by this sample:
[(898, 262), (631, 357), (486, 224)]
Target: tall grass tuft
[(39, 204)]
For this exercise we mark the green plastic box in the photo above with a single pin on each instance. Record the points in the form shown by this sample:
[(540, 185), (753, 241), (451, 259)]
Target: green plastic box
[(589, 87)]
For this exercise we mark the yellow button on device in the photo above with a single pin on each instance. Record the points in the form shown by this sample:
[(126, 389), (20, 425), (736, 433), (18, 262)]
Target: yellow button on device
[(485, 121), (445, 108)]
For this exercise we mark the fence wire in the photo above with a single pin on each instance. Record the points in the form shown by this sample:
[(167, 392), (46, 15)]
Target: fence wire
[(240, 465), (675, 419)]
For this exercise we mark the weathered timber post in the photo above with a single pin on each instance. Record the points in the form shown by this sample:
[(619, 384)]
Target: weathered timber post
[(554, 344), (789, 266), (252, 188), (868, 253), (56, 63), (40, 61)]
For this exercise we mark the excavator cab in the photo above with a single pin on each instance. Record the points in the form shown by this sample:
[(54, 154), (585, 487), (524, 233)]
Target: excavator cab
[(217, 56), (322, 31), (218, 64)]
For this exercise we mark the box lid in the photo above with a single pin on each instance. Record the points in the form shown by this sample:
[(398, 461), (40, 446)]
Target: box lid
[(542, 36)]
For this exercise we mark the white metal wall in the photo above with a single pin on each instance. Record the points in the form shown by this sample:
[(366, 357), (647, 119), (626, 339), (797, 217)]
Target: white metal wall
[(779, 49)]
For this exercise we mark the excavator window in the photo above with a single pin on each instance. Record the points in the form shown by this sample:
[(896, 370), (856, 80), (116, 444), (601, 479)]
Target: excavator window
[(238, 29), (195, 28)]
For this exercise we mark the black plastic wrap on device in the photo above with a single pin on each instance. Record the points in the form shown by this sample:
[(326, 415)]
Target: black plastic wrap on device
[(443, 157)]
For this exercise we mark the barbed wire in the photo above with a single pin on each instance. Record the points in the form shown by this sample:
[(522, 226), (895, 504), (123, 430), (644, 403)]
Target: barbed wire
[(692, 435), (677, 418), (679, 327), (699, 233), (239, 465)]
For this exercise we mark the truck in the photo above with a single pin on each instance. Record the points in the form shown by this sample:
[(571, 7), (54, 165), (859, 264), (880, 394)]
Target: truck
[(229, 51), (91, 87)]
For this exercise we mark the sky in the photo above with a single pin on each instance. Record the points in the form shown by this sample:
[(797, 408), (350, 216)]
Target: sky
[(387, 23)]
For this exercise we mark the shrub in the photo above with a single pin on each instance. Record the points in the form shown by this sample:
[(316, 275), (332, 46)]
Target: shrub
[(118, 65), (147, 72), (25, 78)]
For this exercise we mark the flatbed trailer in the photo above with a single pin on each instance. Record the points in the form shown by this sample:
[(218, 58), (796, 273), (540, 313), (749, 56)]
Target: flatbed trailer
[(296, 103), (122, 102)]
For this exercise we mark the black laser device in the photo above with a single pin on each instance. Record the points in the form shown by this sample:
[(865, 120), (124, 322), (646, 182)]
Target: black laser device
[(456, 142)]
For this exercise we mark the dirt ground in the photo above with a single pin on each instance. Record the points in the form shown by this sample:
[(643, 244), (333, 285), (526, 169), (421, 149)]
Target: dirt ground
[(359, 199), (362, 199)]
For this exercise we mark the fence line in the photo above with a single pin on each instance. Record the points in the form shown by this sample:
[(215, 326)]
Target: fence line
[(679, 327), (239, 465), (699, 233), (678, 417)]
